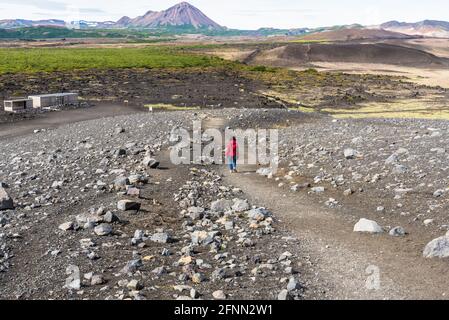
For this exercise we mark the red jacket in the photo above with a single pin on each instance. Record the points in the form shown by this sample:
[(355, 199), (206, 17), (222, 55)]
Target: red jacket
[(231, 148)]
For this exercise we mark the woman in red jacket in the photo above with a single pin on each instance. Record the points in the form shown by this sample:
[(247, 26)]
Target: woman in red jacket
[(231, 154)]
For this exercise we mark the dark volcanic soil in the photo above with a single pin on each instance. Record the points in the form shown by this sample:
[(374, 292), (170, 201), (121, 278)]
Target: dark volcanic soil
[(203, 88), (300, 54)]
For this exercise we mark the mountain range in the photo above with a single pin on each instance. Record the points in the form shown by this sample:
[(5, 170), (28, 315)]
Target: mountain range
[(428, 28), (182, 14), (187, 17), (22, 23)]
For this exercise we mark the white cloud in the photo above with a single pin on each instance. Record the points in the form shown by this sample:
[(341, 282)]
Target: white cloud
[(41, 4)]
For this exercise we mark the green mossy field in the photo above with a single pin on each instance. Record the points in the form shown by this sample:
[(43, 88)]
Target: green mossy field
[(67, 59)]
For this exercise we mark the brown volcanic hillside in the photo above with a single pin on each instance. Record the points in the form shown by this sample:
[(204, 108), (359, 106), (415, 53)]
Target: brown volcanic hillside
[(428, 28), (143, 21), (182, 14), (355, 34), (300, 54)]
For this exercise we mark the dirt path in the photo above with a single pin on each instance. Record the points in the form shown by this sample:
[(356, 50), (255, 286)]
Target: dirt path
[(346, 261), (55, 119)]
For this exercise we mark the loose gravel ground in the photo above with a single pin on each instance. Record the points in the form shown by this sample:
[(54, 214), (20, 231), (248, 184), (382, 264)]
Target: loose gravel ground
[(101, 213)]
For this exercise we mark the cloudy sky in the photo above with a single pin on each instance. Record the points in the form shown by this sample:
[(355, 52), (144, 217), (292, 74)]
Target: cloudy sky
[(248, 14)]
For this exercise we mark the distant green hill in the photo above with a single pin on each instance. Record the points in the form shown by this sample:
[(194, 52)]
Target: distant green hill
[(36, 33)]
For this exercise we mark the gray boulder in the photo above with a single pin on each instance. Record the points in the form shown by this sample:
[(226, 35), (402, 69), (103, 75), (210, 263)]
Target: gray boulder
[(120, 152), (126, 205), (221, 205), (318, 189), (258, 214), (132, 266), (351, 153), (6, 202), (137, 178), (293, 284), (73, 281), (97, 280), (103, 229), (150, 162), (369, 226), (196, 213), (397, 232), (437, 248), (121, 182), (110, 217), (161, 237), (284, 295), (219, 295), (240, 205), (66, 226)]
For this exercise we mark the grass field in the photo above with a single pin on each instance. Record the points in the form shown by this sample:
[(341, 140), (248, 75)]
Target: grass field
[(62, 59), (405, 109)]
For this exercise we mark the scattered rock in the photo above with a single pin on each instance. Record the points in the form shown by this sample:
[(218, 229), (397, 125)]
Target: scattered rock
[(110, 217), (150, 162), (161, 237), (258, 214), (73, 281), (103, 229), (132, 266), (133, 192), (240, 205), (219, 295), (66, 226), (198, 277), (126, 205), (397, 232), (351, 153), (317, 189), (437, 248), (293, 285), (159, 271), (134, 285), (196, 213), (221, 205), (121, 183), (284, 295), (194, 294), (6, 202), (369, 226), (97, 280)]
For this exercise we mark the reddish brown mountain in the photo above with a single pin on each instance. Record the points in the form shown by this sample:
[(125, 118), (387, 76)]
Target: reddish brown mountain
[(182, 14)]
